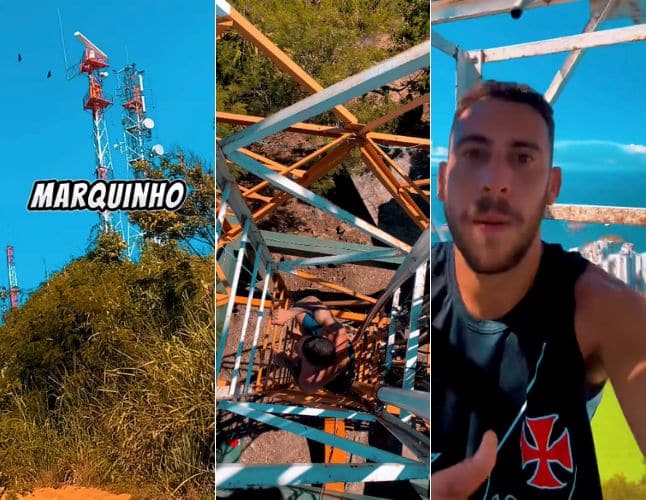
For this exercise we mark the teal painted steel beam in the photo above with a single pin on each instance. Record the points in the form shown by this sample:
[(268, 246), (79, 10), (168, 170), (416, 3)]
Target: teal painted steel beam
[(222, 8), (223, 209), (417, 402), (307, 247), (304, 194), (234, 288), (413, 327), (340, 259), (256, 332), (245, 476), (374, 77), (420, 253), (245, 323), (415, 441), (392, 329), (312, 412), (368, 452), (239, 207)]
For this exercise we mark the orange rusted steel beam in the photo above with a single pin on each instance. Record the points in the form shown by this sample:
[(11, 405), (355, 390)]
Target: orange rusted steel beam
[(269, 333), (253, 196), (282, 61), (226, 24), (305, 160), (333, 455), (400, 140), (330, 131), (314, 173), (300, 128), (412, 191), (418, 101), (332, 286), (318, 400), (345, 315), (386, 177), (221, 275), (273, 164), (389, 162)]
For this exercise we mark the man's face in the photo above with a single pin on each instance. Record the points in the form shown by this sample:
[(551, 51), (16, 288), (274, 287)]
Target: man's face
[(497, 182)]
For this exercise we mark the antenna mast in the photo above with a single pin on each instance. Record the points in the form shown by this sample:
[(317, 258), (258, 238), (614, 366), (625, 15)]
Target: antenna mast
[(94, 60), (13, 280)]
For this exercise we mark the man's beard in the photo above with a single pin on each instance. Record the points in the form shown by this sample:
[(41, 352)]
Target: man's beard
[(475, 254)]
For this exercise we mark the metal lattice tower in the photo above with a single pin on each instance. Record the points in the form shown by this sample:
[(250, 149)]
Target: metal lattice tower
[(470, 65), (254, 388), (93, 63), (137, 127), (13, 279)]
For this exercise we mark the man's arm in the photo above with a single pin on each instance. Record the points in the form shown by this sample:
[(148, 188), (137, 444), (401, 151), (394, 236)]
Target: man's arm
[(612, 327)]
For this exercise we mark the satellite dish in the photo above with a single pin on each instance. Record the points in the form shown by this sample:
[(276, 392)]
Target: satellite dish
[(104, 74), (157, 150), (148, 123)]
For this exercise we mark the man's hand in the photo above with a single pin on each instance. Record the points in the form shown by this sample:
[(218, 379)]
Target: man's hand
[(463, 479), (281, 317)]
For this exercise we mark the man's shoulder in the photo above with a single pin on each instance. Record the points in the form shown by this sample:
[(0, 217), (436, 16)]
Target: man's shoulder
[(597, 288), (604, 300)]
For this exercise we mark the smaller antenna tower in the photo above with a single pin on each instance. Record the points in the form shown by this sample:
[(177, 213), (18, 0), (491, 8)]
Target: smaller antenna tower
[(13, 280), (137, 126)]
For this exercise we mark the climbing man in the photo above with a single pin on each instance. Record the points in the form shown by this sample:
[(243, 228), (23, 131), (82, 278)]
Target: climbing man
[(323, 357), (524, 333)]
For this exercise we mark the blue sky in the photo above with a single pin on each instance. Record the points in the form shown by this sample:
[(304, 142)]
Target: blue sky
[(45, 133), (599, 114)]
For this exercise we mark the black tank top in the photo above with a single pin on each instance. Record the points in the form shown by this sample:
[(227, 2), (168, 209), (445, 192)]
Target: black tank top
[(522, 376)]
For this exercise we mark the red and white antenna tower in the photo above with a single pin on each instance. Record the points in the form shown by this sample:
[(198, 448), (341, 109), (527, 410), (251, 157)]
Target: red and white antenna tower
[(13, 280), (94, 63)]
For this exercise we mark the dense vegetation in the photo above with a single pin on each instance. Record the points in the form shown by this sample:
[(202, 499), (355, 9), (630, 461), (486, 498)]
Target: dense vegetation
[(330, 40), (106, 372)]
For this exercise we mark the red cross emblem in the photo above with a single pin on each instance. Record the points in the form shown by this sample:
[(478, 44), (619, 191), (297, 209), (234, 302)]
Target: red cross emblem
[(544, 453)]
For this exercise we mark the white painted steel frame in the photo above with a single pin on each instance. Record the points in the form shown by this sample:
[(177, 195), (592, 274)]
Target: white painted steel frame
[(229, 476), (240, 208), (566, 43), (256, 333), (412, 343), (314, 199), (245, 322), (353, 447), (309, 411), (392, 329), (567, 68), (340, 259), (417, 402), (226, 192), (419, 253), (444, 11), (234, 287)]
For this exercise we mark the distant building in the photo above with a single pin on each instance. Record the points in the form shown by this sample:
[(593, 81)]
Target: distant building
[(618, 258)]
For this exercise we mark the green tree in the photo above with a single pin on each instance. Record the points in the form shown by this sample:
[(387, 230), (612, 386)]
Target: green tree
[(193, 222)]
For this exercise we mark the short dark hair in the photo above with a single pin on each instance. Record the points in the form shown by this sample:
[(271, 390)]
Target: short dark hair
[(319, 351), (511, 92)]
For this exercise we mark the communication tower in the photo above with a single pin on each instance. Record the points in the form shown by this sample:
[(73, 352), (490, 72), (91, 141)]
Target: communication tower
[(13, 280), (94, 64)]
